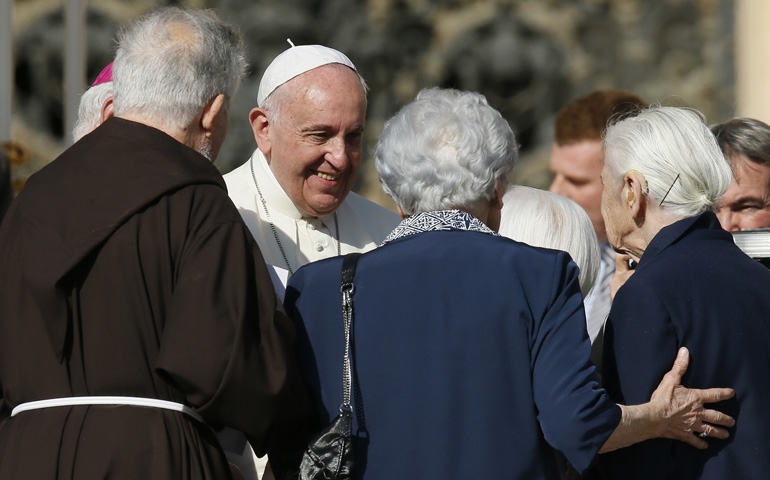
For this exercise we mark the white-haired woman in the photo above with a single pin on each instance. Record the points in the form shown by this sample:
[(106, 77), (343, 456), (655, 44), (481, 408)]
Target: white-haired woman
[(663, 171), (467, 349), (544, 219)]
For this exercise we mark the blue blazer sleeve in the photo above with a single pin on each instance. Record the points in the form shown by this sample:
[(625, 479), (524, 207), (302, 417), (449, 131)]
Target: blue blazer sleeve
[(575, 413)]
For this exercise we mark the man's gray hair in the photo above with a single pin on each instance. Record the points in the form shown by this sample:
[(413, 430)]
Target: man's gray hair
[(171, 62), (677, 154), (90, 109), (444, 150), (544, 219), (744, 136)]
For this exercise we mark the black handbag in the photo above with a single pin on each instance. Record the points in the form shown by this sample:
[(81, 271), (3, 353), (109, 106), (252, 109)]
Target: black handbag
[(329, 456)]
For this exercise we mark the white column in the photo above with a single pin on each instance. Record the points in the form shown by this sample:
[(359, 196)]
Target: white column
[(752, 69), (74, 62), (6, 69)]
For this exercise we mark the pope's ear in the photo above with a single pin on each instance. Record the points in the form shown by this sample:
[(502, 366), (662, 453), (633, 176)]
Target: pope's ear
[(260, 125)]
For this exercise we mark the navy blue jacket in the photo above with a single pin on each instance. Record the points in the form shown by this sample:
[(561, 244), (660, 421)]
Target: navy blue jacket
[(694, 288), (471, 358)]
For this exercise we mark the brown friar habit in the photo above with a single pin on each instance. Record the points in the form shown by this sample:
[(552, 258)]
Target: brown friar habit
[(126, 270)]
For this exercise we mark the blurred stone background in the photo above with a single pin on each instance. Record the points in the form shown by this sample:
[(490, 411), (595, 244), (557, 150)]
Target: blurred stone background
[(528, 57)]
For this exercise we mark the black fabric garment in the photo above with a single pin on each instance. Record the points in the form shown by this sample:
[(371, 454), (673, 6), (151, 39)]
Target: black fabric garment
[(695, 288), (6, 194), (126, 270)]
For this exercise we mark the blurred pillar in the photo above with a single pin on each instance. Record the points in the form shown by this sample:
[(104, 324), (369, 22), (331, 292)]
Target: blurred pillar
[(74, 62), (6, 70), (752, 62)]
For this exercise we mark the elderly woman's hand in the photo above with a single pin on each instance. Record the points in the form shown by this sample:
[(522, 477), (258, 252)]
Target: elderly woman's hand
[(673, 412), (683, 416)]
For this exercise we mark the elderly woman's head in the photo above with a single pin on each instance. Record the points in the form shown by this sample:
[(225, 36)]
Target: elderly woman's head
[(447, 149), (659, 167), (544, 219)]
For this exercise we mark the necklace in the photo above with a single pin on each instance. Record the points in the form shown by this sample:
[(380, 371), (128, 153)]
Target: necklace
[(272, 225)]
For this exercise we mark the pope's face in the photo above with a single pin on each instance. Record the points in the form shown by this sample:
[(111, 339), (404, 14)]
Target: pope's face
[(577, 168), (746, 203), (315, 147)]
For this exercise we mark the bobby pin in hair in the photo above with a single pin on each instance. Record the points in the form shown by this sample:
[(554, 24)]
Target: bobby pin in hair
[(669, 190)]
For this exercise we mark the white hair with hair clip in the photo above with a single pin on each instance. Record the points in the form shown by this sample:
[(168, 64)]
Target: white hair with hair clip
[(544, 219), (444, 150), (676, 153)]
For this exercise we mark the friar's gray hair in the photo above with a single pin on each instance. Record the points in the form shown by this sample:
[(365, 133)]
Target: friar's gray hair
[(544, 219), (444, 150), (171, 62), (677, 154), (90, 109)]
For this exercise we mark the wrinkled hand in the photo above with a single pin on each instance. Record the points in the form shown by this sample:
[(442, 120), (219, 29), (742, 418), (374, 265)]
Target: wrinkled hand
[(682, 408)]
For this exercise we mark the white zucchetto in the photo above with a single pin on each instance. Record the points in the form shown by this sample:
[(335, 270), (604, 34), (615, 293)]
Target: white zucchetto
[(296, 61)]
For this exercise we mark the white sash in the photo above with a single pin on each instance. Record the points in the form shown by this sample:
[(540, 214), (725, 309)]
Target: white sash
[(133, 401)]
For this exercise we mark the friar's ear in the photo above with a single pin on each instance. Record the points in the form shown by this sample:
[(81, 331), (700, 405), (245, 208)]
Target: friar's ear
[(211, 111)]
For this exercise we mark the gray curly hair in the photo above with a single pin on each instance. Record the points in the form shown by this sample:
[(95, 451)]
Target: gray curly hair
[(444, 150)]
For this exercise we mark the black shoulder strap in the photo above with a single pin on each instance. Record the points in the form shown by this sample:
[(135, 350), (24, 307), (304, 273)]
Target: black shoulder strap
[(349, 269), (347, 289)]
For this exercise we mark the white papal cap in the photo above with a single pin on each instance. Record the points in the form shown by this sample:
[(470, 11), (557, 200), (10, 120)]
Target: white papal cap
[(296, 61)]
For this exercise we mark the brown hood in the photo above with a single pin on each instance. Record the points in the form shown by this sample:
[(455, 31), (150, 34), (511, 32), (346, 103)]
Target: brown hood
[(73, 205)]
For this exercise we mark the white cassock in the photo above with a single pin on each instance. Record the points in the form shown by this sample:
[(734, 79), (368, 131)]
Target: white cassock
[(362, 226)]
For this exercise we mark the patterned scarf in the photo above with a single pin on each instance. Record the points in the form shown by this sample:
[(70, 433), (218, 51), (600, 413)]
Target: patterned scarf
[(435, 221)]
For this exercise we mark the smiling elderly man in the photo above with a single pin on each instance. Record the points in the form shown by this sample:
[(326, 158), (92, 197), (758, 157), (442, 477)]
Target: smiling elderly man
[(294, 192)]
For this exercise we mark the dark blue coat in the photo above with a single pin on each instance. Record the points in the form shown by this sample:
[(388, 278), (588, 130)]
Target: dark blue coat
[(694, 288), (471, 358)]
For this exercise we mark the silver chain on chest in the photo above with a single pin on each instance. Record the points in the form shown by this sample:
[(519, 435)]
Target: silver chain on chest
[(275, 231)]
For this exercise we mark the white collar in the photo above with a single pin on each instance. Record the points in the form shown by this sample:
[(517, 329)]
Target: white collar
[(274, 194)]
